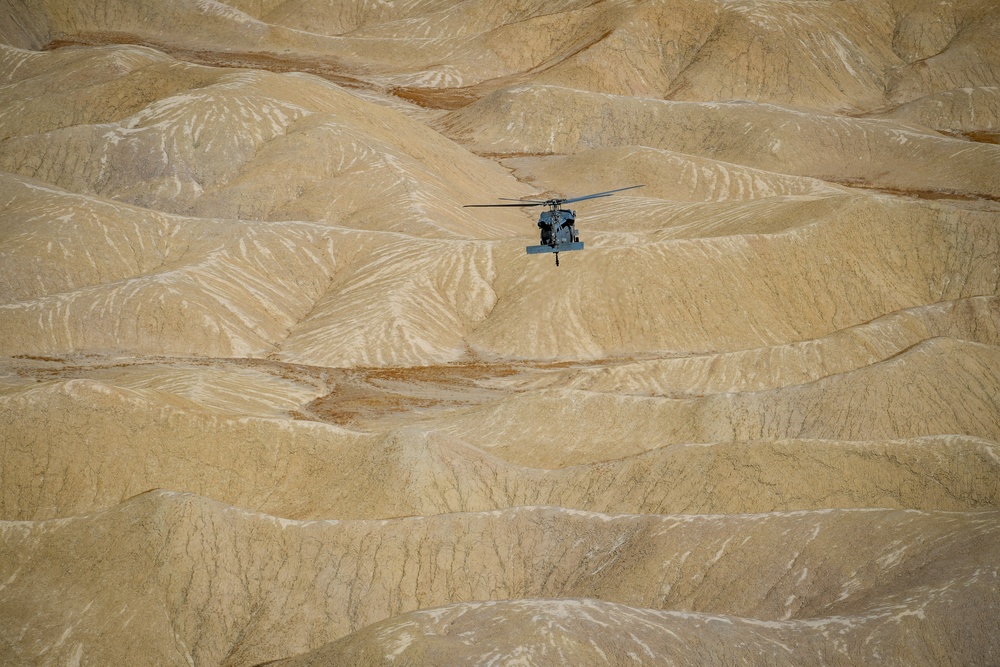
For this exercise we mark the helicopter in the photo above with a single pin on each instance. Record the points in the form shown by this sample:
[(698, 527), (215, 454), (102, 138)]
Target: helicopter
[(557, 225)]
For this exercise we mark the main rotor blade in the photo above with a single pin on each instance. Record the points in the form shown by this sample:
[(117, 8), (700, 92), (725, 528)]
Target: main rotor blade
[(494, 205), (551, 202), (599, 194)]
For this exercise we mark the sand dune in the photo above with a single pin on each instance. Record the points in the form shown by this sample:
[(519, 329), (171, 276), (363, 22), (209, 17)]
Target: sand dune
[(270, 392)]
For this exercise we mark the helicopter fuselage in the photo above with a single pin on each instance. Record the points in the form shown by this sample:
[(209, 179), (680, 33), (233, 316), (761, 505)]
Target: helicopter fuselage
[(558, 232), (557, 225)]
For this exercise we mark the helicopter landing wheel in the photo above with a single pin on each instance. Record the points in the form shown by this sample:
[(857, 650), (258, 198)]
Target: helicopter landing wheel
[(557, 259)]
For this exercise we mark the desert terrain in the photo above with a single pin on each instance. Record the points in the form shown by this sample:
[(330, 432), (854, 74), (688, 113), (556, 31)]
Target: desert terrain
[(270, 394)]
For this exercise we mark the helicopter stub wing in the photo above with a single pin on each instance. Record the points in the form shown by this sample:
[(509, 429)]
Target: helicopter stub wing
[(559, 247)]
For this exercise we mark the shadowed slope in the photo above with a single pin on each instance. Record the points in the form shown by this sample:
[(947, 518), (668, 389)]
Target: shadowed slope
[(89, 275), (875, 152), (198, 581), (830, 56), (551, 632), (912, 395), (152, 425), (254, 145), (968, 110), (329, 304), (637, 294), (975, 320), (666, 175)]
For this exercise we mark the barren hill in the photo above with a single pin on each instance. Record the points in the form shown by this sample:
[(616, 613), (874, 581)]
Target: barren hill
[(270, 393)]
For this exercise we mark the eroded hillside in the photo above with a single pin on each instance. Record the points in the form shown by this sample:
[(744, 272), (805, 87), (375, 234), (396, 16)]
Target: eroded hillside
[(269, 392)]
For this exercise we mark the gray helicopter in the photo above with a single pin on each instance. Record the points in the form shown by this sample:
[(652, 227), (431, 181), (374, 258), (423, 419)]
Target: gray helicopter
[(557, 225)]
